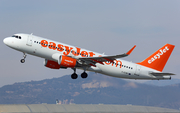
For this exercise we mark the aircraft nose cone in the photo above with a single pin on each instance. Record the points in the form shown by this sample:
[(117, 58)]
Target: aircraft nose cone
[(5, 41)]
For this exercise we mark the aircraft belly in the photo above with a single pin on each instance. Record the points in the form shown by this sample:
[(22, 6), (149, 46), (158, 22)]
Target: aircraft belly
[(113, 71)]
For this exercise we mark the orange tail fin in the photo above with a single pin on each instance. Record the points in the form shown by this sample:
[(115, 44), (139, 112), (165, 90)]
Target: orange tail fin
[(158, 60)]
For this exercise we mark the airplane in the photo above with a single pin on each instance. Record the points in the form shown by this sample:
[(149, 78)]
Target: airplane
[(62, 56)]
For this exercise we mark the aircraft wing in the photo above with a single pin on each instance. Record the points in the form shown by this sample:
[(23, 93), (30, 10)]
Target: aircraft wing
[(101, 59)]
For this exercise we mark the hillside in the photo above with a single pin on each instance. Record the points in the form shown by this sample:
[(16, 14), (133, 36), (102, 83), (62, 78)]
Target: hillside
[(95, 89)]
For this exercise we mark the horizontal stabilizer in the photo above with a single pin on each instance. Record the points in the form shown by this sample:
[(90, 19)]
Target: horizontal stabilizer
[(161, 74)]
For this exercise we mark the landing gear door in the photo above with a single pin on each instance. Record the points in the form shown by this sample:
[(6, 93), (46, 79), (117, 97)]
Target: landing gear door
[(29, 40), (138, 70)]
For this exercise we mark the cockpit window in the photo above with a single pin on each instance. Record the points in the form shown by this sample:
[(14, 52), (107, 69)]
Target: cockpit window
[(14, 36), (19, 37)]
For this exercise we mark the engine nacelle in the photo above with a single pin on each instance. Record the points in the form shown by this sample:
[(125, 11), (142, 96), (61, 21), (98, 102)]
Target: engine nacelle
[(51, 64), (64, 62)]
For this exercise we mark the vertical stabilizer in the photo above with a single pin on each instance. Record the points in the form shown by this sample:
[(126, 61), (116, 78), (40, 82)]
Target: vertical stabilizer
[(158, 60)]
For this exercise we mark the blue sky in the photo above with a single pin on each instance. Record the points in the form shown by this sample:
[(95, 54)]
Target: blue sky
[(110, 27)]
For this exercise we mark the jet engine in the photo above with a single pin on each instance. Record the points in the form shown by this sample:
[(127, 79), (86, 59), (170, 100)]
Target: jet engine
[(64, 62), (51, 64)]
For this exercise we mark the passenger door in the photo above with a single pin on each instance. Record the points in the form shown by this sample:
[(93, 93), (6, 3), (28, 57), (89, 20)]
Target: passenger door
[(138, 70), (29, 40)]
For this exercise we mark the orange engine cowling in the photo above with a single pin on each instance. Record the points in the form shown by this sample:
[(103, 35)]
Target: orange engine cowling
[(65, 62), (51, 64)]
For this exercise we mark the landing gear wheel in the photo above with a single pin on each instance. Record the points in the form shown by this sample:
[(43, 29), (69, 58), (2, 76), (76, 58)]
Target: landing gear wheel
[(74, 76), (84, 75), (22, 60)]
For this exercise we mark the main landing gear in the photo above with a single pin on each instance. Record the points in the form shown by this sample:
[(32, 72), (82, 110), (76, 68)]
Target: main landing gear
[(84, 75), (75, 76), (24, 57)]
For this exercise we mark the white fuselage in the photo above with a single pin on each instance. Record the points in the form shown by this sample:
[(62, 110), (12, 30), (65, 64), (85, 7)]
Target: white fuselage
[(123, 69)]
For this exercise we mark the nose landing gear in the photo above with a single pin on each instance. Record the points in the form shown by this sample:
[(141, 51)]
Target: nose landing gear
[(23, 60)]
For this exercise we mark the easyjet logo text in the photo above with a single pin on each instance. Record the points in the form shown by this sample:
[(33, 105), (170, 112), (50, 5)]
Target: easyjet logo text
[(70, 61), (75, 51), (158, 55), (59, 47), (116, 63)]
